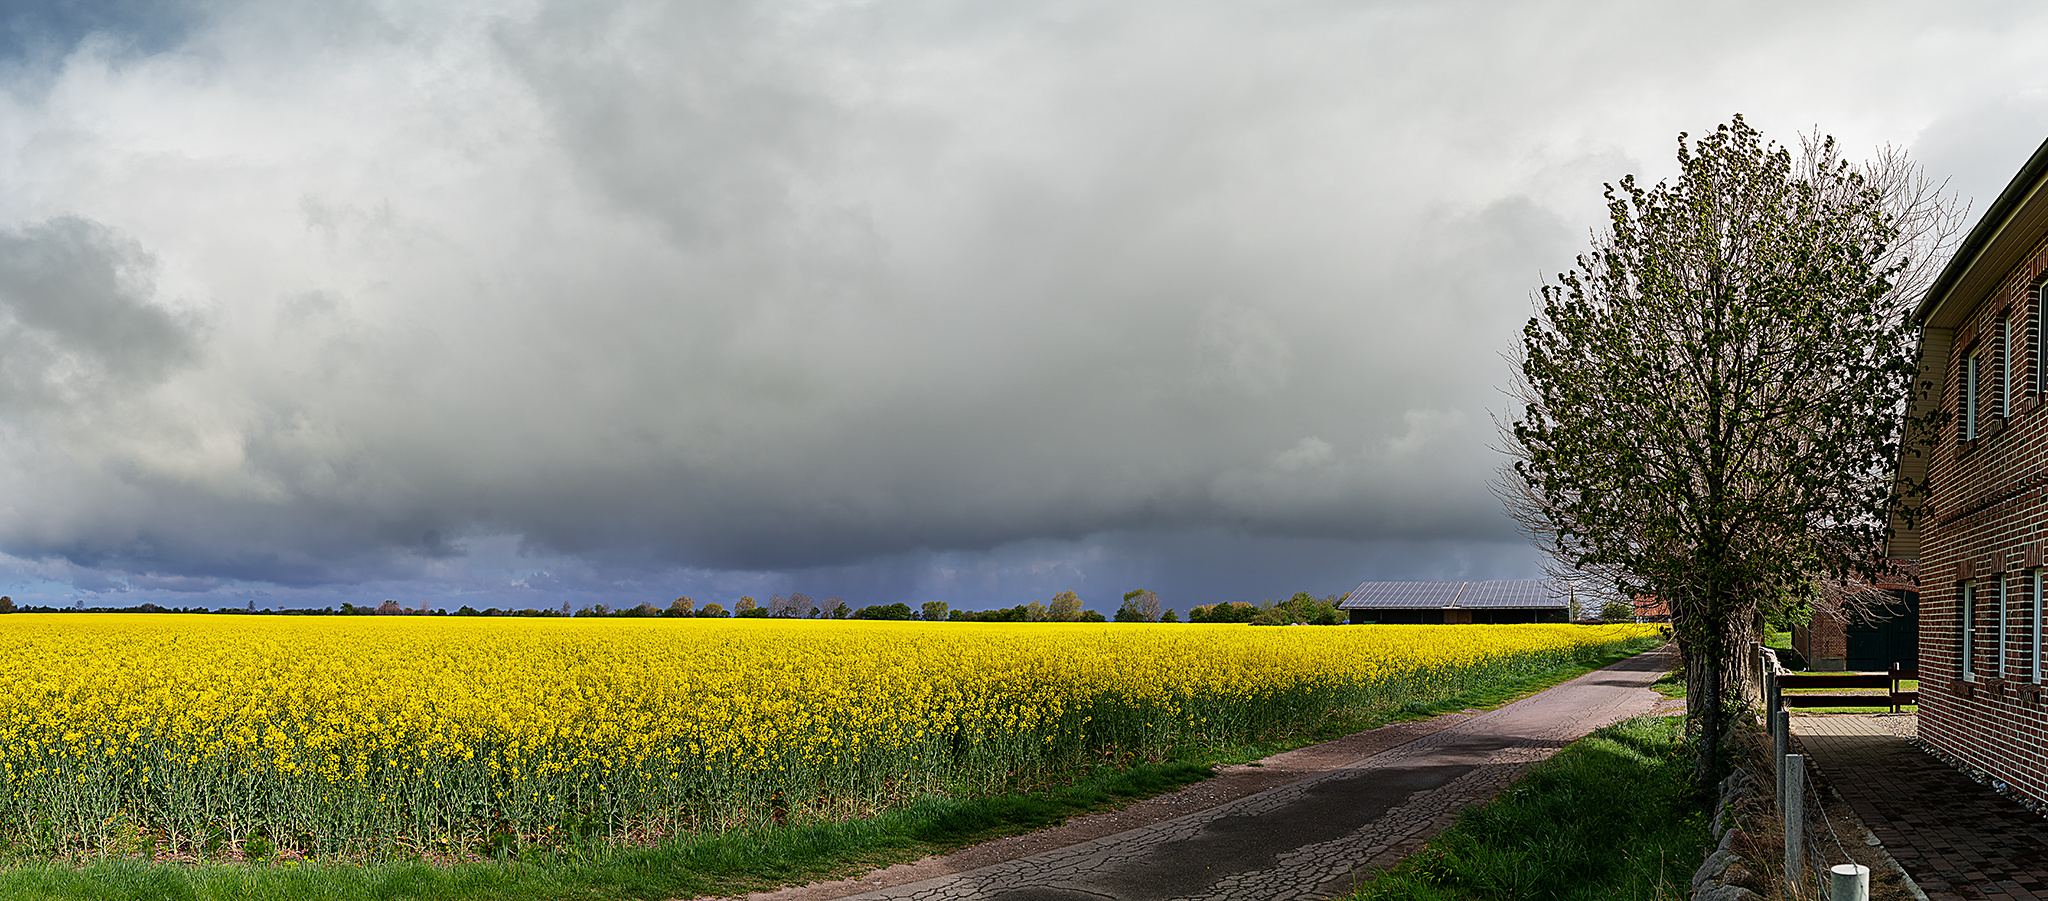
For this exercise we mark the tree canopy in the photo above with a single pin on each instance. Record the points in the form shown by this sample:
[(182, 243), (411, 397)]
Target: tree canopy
[(1713, 397)]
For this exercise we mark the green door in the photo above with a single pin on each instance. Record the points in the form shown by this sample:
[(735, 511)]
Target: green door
[(1890, 635)]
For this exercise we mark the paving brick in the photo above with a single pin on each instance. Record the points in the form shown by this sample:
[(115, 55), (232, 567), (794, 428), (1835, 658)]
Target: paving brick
[(1956, 838)]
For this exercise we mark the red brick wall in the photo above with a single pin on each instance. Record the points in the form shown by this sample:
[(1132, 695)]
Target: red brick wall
[(1824, 642), (1987, 516)]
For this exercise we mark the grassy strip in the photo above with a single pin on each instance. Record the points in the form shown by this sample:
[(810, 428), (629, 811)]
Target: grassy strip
[(1612, 816), (1488, 697), (730, 863)]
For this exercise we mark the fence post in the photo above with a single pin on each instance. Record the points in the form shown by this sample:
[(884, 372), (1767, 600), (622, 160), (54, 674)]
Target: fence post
[(1781, 745), (1765, 660), (1848, 882), (1795, 821)]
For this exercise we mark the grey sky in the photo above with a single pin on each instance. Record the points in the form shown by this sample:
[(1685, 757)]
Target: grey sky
[(532, 302)]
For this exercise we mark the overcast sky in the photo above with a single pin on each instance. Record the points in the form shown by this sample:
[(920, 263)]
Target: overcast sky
[(529, 303)]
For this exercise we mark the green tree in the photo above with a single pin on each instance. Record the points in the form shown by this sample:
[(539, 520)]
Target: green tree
[(1141, 605), (934, 611), (1065, 608), (680, 607), (6, 604), (1037, 612), (1713, 397), (746, 605)]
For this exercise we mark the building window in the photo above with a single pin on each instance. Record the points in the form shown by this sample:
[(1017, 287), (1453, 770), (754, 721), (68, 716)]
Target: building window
[(2040, 348), (2036, 646), (2003, 371), (1969, 398), (1969, 623), (2004, 634)]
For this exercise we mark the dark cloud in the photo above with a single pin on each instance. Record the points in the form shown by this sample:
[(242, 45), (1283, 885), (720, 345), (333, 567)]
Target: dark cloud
[(76, 320), (624, 299)]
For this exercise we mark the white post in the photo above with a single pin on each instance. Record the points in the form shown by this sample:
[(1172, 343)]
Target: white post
[(1795, 820), (1848, 882)]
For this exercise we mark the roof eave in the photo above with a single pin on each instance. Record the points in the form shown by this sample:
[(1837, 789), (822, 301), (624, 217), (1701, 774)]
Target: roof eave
[(1994, 235)]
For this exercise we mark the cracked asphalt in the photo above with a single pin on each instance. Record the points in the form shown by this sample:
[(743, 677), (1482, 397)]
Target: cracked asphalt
[(1312, 838)]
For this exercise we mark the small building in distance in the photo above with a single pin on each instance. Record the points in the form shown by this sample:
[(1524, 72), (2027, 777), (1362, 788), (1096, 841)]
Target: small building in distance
[(1651, 609), (1885, 635), (1458, 603)]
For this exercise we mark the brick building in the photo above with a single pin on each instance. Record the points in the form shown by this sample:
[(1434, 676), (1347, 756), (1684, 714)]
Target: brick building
[(1884, 634), (1984, 359)]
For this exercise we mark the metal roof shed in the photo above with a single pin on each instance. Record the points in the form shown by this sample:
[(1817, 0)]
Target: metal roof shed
[(1455, 603)]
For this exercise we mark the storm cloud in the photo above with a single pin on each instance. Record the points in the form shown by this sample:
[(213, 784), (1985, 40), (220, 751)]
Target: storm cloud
[(621, 300)]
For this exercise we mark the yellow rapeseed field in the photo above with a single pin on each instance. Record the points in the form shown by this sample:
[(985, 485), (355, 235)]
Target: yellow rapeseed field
[(439, 735)]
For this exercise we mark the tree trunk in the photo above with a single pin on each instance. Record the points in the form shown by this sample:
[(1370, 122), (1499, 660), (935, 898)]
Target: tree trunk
[(1703, 705)]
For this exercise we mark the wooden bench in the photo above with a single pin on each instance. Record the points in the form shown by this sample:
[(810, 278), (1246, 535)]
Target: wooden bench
[(1889, 680)]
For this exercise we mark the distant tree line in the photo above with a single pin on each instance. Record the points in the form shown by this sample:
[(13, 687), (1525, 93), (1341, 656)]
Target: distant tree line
[(1302, 609), (1139, 606)]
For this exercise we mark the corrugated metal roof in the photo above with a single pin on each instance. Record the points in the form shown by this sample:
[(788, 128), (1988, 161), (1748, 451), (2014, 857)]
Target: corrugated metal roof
[(1503, 593)]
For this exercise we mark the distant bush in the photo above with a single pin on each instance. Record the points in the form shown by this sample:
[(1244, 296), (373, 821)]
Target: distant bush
[(1225, 612)]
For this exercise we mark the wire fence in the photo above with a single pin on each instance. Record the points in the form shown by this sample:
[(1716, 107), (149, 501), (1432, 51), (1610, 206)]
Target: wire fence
[(1817, 845)]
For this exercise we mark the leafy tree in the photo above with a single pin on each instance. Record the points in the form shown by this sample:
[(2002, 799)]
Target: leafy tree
[(841, 611), (6, 604), (1037, 612), (1092, 616), (898, 610), (1225, 612), (1141, 605), (1713, 397), (1169, 616), (934, 611), (800, 602), (746, 605), (1617, 611), (712, 610), (1065, 608), (681, 607)]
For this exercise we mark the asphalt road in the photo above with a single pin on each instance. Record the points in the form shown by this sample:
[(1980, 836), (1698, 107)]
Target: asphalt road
[(1311, 839)]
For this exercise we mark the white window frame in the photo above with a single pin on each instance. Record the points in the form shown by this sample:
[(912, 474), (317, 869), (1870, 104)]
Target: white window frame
[(2004, 371), (2036, 646), (1970, 397), (1968, 615), (2040, 343), (2004, 633)]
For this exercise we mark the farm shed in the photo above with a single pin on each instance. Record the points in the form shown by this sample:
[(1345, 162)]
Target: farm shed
[(1979, 538), (1453, 603), (1877, 638)]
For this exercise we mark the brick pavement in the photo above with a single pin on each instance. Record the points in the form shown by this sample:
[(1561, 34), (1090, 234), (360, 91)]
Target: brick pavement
[(1313, 838), (1956, 838)]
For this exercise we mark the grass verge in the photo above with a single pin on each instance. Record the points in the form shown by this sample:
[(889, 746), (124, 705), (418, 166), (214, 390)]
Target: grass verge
[(1494, 695), (1612, 816), (730, 863)]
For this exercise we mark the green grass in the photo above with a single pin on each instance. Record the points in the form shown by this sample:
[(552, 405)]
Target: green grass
[(730, 863), (1670, 685), (1612, 816)]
